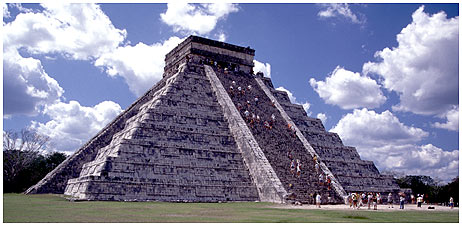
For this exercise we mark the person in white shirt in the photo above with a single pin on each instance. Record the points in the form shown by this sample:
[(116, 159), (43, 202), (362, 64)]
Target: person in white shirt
[(318, 200), (390, 200)]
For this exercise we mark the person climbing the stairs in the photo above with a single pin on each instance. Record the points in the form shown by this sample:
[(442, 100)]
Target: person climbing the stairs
[(321, 179), (292, 167), (299, 171)]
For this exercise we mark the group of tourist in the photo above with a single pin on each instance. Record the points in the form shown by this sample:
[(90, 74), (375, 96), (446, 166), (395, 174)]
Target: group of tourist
[(358, 200), (250, 118)]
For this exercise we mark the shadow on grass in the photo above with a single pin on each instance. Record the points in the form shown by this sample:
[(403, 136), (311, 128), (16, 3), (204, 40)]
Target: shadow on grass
[(356, 217)]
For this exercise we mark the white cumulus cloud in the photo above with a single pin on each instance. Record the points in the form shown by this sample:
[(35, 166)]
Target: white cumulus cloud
[(306, 106), (262, 67), (349, 90), (340, 10), (27, 88), (196, 18), (452, 120), (72, 125), (393, 146), (424, 68), (412, 159), (141, 65), (366, 126), (77, 31)]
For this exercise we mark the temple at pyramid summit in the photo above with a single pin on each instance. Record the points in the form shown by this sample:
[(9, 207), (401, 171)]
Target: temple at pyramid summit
[(211, 130)]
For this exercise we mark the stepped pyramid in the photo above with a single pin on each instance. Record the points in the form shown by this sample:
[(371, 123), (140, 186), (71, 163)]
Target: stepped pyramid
[(211, 131)]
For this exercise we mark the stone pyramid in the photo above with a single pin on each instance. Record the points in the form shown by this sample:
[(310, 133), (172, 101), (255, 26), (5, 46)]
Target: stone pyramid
[(211, 131)]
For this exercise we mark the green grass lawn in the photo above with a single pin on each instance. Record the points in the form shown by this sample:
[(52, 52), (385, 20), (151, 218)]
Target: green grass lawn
[(54, 208)]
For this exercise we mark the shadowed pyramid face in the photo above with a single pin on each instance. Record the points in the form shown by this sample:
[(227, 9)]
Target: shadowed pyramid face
[(210, 131)]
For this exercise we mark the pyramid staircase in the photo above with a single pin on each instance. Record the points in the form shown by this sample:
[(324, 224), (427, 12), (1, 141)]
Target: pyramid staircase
[(189, 139), (278, 143)]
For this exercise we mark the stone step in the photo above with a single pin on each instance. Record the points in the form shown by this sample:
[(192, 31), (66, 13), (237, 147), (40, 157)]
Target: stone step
[(277, 141), (171, 145)]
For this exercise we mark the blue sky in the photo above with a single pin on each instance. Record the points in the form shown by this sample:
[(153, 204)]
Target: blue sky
[(382, 76)]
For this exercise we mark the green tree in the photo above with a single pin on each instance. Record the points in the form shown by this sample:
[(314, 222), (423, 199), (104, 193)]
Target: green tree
[(23, 163), (449, 190), (434, 193), (40, 167), (19, 151)]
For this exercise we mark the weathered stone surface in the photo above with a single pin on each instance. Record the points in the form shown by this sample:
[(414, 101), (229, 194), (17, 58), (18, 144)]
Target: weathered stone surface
[(354, 174), (277, 141), (270, 188), (56, 180), (189, 138), (309, 149), (128, 170)]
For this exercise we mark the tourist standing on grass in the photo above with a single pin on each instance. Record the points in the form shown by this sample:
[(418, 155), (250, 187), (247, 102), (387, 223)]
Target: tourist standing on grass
[(355, 200), (419, 201), (369, 200), (350, 199), (390, 200), (451, 202), (363, 199), (360, 200), (318, 200), (401, 202), (374, 201)]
